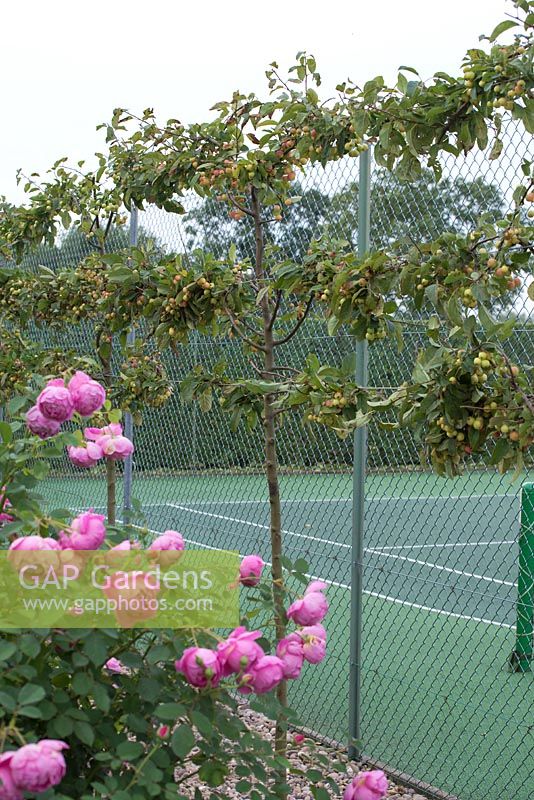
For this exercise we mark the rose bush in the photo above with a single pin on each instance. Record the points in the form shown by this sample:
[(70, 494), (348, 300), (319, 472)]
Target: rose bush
[(100, 713)]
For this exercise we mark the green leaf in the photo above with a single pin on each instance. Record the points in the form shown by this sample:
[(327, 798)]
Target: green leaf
[(81, 684), (402, 83), (7, 649), (501, 449), (530, 291), (30, 711), (30, 693), (503, 26), (129, 751), (84, 732), (96, 647), (496, 150), (301, 565), (101, 697), (182, 741), (7, 701), (169, 711), (213, 772), (15, 404), (453, 312), (202, 723), (6, 433), (61, 726), (319, 793), (486, 320)]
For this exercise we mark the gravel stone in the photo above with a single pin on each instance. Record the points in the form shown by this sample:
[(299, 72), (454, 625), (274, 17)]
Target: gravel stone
[(300, 789)]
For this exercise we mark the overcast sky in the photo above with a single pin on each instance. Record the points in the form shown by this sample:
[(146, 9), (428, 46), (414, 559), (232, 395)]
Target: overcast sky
[(67, 64)]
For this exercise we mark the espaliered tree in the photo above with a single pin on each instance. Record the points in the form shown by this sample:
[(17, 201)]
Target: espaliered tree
[(464, 391)]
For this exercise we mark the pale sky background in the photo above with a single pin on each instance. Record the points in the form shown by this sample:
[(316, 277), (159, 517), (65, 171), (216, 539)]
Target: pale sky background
[(66, 64)]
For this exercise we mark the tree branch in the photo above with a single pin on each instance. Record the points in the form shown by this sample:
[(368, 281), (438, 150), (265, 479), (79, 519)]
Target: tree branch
[(275, 309), (240, 333), (290, 335), (242, 208)]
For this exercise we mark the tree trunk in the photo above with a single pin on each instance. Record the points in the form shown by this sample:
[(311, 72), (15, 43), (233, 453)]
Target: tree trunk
[(111, 480), (271, 469), (111, 471)]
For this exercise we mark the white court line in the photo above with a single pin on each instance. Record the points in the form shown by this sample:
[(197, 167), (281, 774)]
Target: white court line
[(445, 497), (251, 502), (441, 568), (373, 551), (378, 498), (190, 541), (437, 610), (418, 606), (444, 544), (395, 600), (256, 525)]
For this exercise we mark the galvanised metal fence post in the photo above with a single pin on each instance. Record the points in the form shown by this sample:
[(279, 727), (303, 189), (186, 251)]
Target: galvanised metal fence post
[(358, 485), (128, 422), (522, 656)]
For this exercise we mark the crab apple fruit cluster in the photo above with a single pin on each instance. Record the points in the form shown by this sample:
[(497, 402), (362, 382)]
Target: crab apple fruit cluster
[(143, 383), (484, 398), (491, 79), (330, 406)]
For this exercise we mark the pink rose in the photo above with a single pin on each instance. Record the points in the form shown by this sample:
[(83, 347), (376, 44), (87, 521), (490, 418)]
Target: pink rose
[(135, 596), (37, 767), (77, 380), (20, 550), (169, 540), (250, 570), (313, 630), (262, 676), (316, 586), (313, 643), (87, 394), (34, 543), (367, 785), (239, 650), (163, 731), (41, 425), (86, 455), (200, 666), (314, 649), (311, 608), (8, 789), (114, 665), (55, 401), (87, 532), (298, 738), (113, 429), (114, 445), (290, 651)]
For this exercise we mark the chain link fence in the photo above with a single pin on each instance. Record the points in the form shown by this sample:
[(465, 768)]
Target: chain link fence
[(440, 555)]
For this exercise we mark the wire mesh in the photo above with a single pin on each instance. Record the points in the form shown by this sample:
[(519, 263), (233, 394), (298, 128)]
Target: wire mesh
[(441, 555)]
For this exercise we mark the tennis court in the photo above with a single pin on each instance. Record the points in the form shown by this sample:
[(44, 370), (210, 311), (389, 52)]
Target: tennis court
[(440, 573)]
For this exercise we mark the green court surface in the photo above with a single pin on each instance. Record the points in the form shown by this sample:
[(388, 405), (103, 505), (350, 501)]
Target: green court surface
[(440, 573)]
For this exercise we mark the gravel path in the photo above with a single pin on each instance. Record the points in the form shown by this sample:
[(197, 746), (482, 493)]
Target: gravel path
[(297, 754)]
